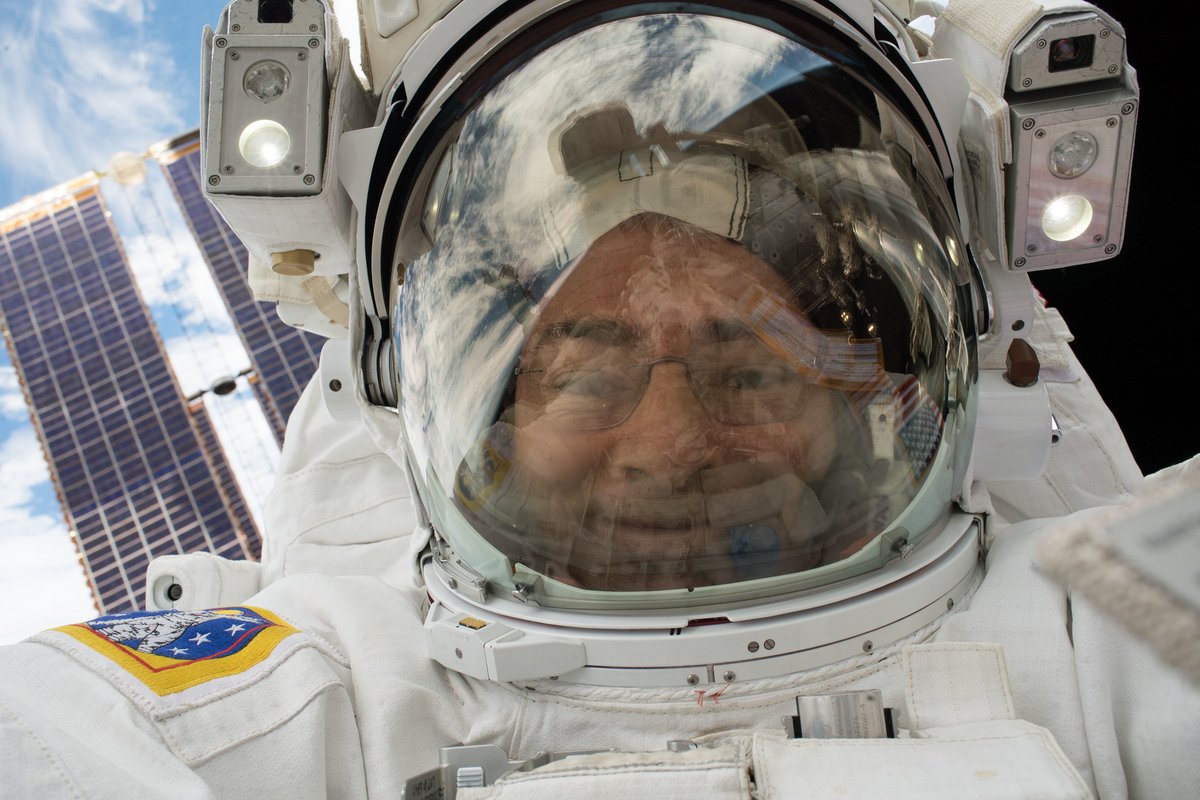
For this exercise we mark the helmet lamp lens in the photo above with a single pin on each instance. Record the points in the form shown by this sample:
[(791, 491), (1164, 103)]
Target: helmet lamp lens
[(264, 143)]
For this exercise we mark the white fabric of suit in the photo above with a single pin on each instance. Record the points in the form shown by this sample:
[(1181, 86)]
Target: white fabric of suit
[(352, 707)]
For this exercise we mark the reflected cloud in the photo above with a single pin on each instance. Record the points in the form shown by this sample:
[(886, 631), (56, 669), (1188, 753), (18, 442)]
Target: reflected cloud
[(685, 74)]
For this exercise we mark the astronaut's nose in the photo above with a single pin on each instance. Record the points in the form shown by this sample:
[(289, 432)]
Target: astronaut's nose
[(669, 436)]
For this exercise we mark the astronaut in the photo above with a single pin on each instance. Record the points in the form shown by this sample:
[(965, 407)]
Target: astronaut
[(688, 380)]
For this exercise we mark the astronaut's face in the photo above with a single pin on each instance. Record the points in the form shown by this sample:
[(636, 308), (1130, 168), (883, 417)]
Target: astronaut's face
[(672, 445)]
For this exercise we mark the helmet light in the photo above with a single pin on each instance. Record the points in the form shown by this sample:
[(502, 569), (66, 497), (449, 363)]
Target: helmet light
[(264, 143), (1072, 143), (266, 100), (1066, 217)]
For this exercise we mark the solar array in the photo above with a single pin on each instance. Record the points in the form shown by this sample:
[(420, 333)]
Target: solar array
[(139, 473), (252, 545), (283, 358)]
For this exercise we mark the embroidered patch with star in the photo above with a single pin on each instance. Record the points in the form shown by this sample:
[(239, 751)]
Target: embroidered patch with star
[(170, 651)]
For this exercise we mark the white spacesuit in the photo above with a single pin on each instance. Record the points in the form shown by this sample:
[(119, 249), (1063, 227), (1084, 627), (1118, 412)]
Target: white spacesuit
[(685, 428)]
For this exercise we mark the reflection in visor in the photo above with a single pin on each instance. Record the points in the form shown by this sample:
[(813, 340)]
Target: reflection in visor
[(593, 375), (676, 315), (620, 466)]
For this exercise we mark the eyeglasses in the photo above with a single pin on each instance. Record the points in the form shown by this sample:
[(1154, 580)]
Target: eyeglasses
[(736, 385)]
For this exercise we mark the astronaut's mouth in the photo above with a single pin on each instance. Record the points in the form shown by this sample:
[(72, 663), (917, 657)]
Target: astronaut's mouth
[(668, 512), (719, 529), (647, 529), (669, 551)]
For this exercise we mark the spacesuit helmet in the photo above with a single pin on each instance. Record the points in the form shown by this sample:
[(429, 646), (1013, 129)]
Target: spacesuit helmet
[(679, 311)]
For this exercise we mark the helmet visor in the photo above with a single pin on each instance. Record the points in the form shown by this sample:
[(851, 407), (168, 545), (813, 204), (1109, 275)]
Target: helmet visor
[(679, 316)]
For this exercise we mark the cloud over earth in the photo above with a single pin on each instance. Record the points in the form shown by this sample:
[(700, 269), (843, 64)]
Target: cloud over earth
[(85, 81)]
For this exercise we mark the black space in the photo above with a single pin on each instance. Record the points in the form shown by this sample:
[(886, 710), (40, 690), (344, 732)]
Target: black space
[(1134, 315)]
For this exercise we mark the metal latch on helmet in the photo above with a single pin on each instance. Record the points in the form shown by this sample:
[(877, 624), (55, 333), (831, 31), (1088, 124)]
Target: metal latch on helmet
[(456, 574), (841, 715)]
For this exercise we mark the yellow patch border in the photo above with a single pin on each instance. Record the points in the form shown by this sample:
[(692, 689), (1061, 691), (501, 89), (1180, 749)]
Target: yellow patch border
[(164, 675)]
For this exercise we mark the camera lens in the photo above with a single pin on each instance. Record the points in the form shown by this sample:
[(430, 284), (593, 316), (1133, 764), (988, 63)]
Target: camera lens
[(276, 12), (1072, 52)]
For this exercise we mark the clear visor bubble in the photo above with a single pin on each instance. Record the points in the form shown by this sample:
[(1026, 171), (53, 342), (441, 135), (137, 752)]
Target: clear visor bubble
[(674, 320)]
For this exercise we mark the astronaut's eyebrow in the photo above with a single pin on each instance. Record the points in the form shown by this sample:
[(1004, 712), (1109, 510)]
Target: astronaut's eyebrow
[(598, 330), (724, 330)]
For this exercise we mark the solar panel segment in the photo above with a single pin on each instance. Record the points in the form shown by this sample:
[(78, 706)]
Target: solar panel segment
[(139, 473), (283, 358)]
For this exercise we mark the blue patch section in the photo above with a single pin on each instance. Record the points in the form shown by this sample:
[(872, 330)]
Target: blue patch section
[(183, 635), (754, 549)]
